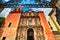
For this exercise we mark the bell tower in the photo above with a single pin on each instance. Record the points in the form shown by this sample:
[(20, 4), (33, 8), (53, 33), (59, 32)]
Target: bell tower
[(11, 24)]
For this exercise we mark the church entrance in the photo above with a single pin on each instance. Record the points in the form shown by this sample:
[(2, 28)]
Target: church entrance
[(30, 34)]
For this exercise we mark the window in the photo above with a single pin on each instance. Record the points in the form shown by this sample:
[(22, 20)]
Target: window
[(3, 38), (51, 28), (9, 24), (49, 24), (30, 22)]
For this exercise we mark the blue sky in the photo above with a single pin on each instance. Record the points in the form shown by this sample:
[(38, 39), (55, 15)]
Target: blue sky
[(6, 11), (25, 1), (5, 1)]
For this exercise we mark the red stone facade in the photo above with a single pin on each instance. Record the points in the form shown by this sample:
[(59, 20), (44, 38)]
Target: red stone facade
[(11, 25), (48, 33)]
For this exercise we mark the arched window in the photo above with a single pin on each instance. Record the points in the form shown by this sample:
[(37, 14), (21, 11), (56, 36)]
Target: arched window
[(9, 24)]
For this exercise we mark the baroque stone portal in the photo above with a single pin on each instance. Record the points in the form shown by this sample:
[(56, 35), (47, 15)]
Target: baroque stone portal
[(30, 27)]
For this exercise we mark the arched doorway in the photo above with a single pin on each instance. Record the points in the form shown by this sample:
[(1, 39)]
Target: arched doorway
[(30, 34)]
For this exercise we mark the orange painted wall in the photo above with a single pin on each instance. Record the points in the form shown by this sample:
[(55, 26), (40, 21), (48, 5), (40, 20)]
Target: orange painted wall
[(10, 32), (1, 31), (47, 30)]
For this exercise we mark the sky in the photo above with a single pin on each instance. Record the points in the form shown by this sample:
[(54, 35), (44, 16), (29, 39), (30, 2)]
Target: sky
[(6, 11), (25, 1)]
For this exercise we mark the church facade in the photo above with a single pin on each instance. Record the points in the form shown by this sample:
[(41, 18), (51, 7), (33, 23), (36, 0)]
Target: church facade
[(28, 25)]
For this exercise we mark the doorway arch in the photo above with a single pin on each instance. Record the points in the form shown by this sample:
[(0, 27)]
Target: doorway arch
[(30, 34)]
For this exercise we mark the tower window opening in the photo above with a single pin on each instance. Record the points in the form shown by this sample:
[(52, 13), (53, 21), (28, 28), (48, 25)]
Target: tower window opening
[(51, 28), (9, 24)]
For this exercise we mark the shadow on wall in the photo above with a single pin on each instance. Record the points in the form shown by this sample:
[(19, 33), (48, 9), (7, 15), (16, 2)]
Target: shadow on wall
[(2, 21)]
